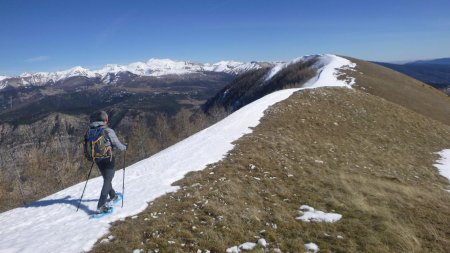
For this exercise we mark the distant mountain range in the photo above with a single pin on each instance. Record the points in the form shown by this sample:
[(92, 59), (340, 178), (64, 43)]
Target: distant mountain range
[(107, 74), (433, 72), (440, 61)]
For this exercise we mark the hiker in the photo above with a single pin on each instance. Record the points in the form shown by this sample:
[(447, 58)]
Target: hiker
[(106, 163)]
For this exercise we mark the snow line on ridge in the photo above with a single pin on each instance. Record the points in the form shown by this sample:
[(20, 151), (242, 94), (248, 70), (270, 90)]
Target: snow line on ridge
[(52, 225)]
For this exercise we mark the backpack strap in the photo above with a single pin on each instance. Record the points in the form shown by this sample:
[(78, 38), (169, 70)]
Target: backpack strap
[(110, 147)]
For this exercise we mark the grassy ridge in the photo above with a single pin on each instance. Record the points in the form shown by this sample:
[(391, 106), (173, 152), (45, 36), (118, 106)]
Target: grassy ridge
[(331, 148), (401, 89)]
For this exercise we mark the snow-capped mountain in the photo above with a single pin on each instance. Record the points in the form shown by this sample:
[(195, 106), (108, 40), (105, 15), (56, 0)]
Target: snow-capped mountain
[(153, 67), (1, 79)]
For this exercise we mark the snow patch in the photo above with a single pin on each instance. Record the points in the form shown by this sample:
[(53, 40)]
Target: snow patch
[(309, 214), (247, 246), (311, 247), (262, 242), (443, 163), (233, 249)]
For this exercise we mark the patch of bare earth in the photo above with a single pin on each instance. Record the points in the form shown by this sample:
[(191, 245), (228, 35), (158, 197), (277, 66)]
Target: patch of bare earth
[(334, 149)]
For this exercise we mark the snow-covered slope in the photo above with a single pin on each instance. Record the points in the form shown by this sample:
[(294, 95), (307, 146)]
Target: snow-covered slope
[(281, 65), (52, 225), (153, 67)]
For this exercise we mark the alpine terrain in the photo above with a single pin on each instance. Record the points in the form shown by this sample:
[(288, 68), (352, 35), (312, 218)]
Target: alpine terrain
[(323, 153)]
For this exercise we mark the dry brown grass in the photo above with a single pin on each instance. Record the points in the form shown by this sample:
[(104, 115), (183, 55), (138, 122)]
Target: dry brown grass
[(402, 89), (334, 149)]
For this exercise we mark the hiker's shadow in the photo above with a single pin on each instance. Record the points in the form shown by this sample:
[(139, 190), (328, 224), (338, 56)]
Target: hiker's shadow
[(66, 200)]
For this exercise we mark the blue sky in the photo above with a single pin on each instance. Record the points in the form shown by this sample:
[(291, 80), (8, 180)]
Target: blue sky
[(50, 35)]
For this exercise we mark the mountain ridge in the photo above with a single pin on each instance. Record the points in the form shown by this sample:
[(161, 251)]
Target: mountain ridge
[(152, 68), (300, 72), (336, 149), (439, 61)]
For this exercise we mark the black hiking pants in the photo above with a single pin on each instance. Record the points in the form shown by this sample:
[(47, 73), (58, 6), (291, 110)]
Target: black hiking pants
[(106, 167)]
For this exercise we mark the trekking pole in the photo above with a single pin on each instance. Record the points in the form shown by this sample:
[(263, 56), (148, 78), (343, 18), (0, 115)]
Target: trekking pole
[(123, 178), (87, 179)]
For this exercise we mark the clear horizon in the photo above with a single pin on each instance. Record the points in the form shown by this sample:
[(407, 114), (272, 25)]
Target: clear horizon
[(56, 35)]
